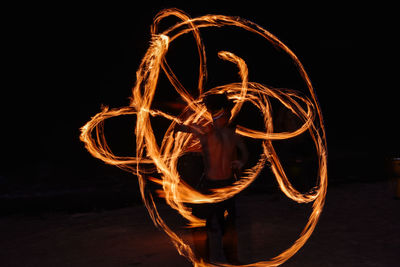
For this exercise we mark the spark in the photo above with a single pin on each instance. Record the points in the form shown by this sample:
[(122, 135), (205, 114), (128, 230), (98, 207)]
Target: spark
[(163, 159)]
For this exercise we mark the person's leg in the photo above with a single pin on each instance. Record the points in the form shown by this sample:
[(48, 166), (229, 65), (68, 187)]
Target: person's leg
[(229, 238), (201, 244), (199, 234)]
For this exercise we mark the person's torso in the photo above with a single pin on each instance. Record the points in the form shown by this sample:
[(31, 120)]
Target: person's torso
[(220, 152)]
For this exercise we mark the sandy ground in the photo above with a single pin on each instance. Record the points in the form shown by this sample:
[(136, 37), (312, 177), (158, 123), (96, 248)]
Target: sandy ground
[(360, 226)]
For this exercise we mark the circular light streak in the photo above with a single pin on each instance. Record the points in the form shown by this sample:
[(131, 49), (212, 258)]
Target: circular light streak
[(164, 158)]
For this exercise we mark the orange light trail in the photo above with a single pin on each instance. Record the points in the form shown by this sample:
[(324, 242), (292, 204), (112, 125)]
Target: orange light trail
[(150, 157)]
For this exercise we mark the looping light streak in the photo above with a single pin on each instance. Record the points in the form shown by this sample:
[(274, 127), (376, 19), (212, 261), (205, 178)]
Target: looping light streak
[(150, 157)]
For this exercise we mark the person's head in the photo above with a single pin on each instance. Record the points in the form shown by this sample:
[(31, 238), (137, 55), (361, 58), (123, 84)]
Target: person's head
[(219, 107)]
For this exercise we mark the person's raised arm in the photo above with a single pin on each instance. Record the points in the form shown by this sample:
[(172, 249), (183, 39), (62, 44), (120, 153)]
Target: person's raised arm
[(194, 129)]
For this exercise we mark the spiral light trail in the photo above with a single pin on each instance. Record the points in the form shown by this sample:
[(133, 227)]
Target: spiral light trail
[(151, 157)]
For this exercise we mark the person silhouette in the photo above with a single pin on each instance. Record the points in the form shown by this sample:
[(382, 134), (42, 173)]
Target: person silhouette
[(221, 148)]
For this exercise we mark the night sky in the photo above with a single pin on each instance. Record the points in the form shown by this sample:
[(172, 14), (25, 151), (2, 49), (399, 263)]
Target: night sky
[(68, 60)]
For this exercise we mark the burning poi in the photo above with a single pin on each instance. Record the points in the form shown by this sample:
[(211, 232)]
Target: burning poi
[(164, 158)]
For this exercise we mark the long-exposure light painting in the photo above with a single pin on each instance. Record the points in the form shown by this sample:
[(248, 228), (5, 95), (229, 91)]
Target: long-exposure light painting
[(165, 157)]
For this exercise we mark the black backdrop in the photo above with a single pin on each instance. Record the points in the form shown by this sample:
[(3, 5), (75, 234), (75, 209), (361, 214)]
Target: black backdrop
[(65, 61)]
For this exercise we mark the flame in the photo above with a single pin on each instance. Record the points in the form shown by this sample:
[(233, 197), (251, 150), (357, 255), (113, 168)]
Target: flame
[(150, 157)]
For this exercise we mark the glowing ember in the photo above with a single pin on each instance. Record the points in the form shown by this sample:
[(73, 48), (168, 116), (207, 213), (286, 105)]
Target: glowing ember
[(174, 145)]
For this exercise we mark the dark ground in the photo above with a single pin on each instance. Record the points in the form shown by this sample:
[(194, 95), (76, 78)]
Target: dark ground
[(358, 227)]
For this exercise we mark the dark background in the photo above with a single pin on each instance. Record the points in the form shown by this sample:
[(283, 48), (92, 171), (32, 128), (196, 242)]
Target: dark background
[(65, 61)]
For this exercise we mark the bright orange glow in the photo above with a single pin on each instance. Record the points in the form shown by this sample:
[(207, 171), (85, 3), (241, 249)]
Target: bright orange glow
[(165, 157)]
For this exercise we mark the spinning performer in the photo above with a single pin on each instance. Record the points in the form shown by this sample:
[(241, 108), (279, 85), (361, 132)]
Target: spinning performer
[(221, 148)]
